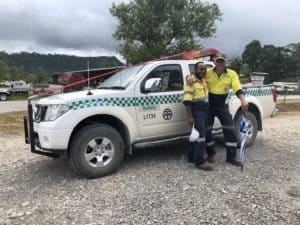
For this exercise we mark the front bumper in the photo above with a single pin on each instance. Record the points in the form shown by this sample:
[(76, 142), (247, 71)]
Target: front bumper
[(48, 138)]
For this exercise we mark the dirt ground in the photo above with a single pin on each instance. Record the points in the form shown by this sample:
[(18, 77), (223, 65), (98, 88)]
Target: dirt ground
[(155, 186)]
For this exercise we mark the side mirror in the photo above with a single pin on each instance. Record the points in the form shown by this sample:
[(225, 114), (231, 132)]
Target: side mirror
[(152, 85)]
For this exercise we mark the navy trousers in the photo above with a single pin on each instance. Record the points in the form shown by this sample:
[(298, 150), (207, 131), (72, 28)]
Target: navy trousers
[(222, 113), (196, 149)]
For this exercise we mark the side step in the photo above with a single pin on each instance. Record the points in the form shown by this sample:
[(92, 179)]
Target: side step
[(166, 141), (156, 143)]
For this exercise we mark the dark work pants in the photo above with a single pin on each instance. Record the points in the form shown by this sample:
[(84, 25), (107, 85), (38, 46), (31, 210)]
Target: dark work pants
[(222, 113), (196, 149)]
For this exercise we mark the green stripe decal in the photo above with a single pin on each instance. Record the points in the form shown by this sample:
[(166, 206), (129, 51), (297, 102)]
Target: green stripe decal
[(151, 100), (255, 92), (127, 101)]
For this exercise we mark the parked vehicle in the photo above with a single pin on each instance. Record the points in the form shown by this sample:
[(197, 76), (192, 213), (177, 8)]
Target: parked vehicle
[(136, 107), (19, 86), (4, 93), (287, 87)]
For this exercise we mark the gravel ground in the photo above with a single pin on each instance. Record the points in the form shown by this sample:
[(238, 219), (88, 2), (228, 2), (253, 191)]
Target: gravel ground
[(157, 186), (11, 106)]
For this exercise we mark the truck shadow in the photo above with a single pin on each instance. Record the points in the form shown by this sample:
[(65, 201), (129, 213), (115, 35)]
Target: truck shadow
[(172, 154), (168, 152), (165, 153)]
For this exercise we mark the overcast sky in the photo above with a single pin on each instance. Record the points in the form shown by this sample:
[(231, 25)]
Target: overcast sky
[(85, 27)]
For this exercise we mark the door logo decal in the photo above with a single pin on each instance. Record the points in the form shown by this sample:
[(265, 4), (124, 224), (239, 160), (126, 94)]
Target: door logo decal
[(167, 114)]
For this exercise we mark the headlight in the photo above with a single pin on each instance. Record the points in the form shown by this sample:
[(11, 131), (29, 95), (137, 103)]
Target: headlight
[(55, 111)]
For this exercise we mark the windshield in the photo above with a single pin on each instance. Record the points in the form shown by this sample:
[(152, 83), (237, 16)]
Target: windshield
[(121, 78)]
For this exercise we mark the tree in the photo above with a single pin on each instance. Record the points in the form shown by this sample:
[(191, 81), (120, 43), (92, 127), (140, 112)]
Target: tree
[(4, 73), (236, 64), (149, 29), (245, 73), (274, 62), (293, 61), (2, 56), (245, 70), (54, 63), (252, 55), (16, 73), (31, 78), (41, 75)]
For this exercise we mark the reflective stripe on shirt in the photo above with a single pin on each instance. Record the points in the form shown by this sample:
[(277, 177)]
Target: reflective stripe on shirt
[(198, 92)]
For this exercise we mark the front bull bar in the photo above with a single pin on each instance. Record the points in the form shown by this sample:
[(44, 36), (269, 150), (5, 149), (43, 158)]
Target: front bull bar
[(30, 136)]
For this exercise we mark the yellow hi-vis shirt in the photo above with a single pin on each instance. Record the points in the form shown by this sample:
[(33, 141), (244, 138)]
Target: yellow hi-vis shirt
[(198, 92), (221, 85)]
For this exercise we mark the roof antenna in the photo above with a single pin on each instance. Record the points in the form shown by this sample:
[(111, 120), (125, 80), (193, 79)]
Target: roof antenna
[(89, 87)]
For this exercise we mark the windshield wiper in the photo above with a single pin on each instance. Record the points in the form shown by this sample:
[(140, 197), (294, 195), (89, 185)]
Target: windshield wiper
[(113, 87)]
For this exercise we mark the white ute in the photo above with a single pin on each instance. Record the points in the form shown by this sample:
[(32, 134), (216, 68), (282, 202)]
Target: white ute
[(136, 107), (4, 93)]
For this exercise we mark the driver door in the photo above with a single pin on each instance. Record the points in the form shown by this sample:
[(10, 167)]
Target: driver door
[(160, 111)]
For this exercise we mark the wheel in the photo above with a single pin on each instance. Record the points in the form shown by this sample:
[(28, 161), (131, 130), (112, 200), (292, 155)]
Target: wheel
[(96, 150), (3, 96), (251, 129)]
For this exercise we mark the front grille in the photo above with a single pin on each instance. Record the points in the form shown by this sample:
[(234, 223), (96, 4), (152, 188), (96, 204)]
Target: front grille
[(39, 113)]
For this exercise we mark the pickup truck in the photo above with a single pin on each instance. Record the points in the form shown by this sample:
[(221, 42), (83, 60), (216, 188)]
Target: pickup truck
[(4, 93), (136, 107)]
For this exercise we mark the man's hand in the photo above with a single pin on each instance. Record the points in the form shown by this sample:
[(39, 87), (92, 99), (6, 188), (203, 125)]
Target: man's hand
[(191, 120), (244, 105), (189, 80), (244, 102)]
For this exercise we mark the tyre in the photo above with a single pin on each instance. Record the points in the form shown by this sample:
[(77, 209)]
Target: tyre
[(3, 96), (251, 129), (96, 151)]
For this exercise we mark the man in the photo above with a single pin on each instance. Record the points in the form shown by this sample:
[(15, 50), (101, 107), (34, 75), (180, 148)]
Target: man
[(220, 80), (196, 101)]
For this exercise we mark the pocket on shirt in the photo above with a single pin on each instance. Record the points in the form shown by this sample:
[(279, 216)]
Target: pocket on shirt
[(200, 90), (226, 83)]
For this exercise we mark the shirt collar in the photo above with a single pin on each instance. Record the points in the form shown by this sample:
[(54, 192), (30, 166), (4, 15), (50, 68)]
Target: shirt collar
[(226, 70), (198, 78)]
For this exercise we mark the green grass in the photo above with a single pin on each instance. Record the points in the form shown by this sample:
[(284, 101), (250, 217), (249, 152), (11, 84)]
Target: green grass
[(17, 97), (12, 122)]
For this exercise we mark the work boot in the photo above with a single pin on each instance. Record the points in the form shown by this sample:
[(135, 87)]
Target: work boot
[(204, 166), (211, 159), (233, 162)]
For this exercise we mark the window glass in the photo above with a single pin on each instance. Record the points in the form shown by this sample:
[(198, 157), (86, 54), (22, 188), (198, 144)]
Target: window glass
[(169, 76), (121, 78)]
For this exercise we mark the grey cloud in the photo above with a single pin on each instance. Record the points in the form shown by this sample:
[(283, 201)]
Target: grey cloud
[(271, 22), (58, 24), (86, 27)]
